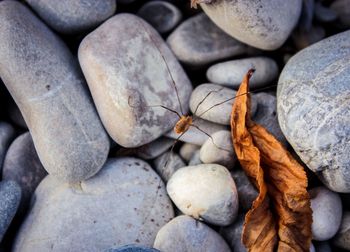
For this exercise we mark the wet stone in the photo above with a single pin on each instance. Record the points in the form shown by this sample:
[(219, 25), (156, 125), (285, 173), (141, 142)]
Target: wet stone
[(167, 164), (7, 134)]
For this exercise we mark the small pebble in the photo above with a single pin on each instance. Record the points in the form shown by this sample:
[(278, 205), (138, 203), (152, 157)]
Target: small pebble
[(184, 233), (342, 238), (187, 150), (233, 234), (7, 134), (132, 248), (206, 192), (168, 163)]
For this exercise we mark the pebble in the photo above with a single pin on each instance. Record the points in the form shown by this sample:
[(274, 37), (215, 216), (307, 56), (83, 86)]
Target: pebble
[(154, 149), (132, 248), (125, 203), (205, 192), (233, 234), (326, 213), (342, 238), (324, 14), (342, 9), (198, 41), (246, 190), (184, 233), (7, 134), (262, 24), (219, 150), (167, 164), (10, 196), (313, 108), (45, 81), (195, 159), (196, 136), (187, 150), (163, 16), (266, 115), (231, 72), (134, 76), (71, 17), (23, 166), (219, 114)]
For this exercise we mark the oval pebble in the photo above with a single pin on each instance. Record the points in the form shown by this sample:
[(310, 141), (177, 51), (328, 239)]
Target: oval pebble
[(125, 203), (230, 73), (326, 213), (139, 73), (45, 81), (7, 134), (168, 163), (187, 150), (219, 150), (70, 17), (184, 233), (342, 238), (198, 41), (205, 191)]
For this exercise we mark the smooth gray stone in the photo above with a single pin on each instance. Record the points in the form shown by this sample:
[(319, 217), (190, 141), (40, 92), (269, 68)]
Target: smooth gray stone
[(125, 203), (342, 9), (195, 159), (233, 234), (208, 98), (186, 234), (266, 115), (10, 196), (219, 150), (313, 108), (262, 24), (191, 190), (167, 164), (132, 248), (154, 149), (7, 134), (246, 190), (45, 81), (326, 213), (231, 73), (139, 73), (187, 150), (22, 165), (198, 41), (342, 238), (324, 14), (71, 17), (163, 16)]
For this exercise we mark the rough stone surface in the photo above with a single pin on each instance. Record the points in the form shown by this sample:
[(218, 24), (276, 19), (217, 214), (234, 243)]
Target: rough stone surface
[(163, 16), (230, 73), (187, 150), (22, 165), (342, 9), (71, 17), (212, 94), (132, 248), (45, 81), (233, 234), (125, 203), (342, 238), (167, 164), (129, 67), (219, 150), (7, 133), (262, 24), (313, 108), (186, 234), (198, 41), (326, 213), (10, 196), (205, 191)]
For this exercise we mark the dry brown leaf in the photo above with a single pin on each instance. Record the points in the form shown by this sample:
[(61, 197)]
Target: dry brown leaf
[(281, 216)]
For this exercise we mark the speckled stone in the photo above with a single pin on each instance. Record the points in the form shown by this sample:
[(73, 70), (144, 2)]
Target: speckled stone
[(313, 108), (187, 150), (167, 164), (186, 234), (342, 238), (45, 81), (198, 41), (71, 17), (233, 234), (262, 24), (137, 74), (7, 134), (230, 73), (191, 188), (125, 203)]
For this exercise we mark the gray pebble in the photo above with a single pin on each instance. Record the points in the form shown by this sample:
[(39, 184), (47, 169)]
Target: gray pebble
[(231, 73), (313, 108), (125, 203), (326, 213), (10, 196), (191, 189), (45, 81), (198, 41), (22, 165), (167, 164), (186, 234), (195, 159), (72, 17), (219, 150), (132, 248), (262, 24), (233, 234), (7, 134), (137, 74), (342, 8), (342, 238), (187, 150), (163, 16), (154, 149), (324, 14)]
